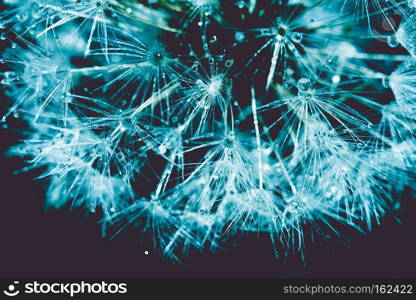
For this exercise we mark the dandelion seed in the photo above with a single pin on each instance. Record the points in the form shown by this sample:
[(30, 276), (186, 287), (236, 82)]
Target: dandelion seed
[(403, 83), (405, 35)]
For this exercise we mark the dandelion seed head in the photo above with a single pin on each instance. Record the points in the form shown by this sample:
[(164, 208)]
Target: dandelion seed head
[(205, 5), (213, 87), (177, 120), (405, 35)]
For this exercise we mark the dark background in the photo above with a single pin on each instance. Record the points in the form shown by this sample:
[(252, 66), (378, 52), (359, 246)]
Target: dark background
[(40, 243)]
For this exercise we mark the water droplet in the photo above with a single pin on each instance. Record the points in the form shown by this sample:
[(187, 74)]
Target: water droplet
[(16, 113), (61, 72), (162, 149), (22, 17), (304, 84), (293, 207), (241, 4), (336, 79), (297, 37), (9, 76), (239, 36), (392, 41), (3, 36), (3, 123), (386, 82), (265, 31)]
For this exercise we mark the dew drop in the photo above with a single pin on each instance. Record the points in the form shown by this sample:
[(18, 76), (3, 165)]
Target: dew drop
[(392, 41), (304, 84), (265, 31), (239, 36), (293, 207), (162, 149), (336, 79), (241, 4), (16, 113), (22, 16), (386, 82), (297, 37), (229, 63)]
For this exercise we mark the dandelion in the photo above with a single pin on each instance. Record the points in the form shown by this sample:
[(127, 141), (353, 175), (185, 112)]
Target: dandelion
[(140, 69), (197, 121), (24, 14), (296, 43), (405, 35), (402, 82), (378, 10), (37, 77), (76, 163), (204, 94), (199, 8), (93, 14)]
